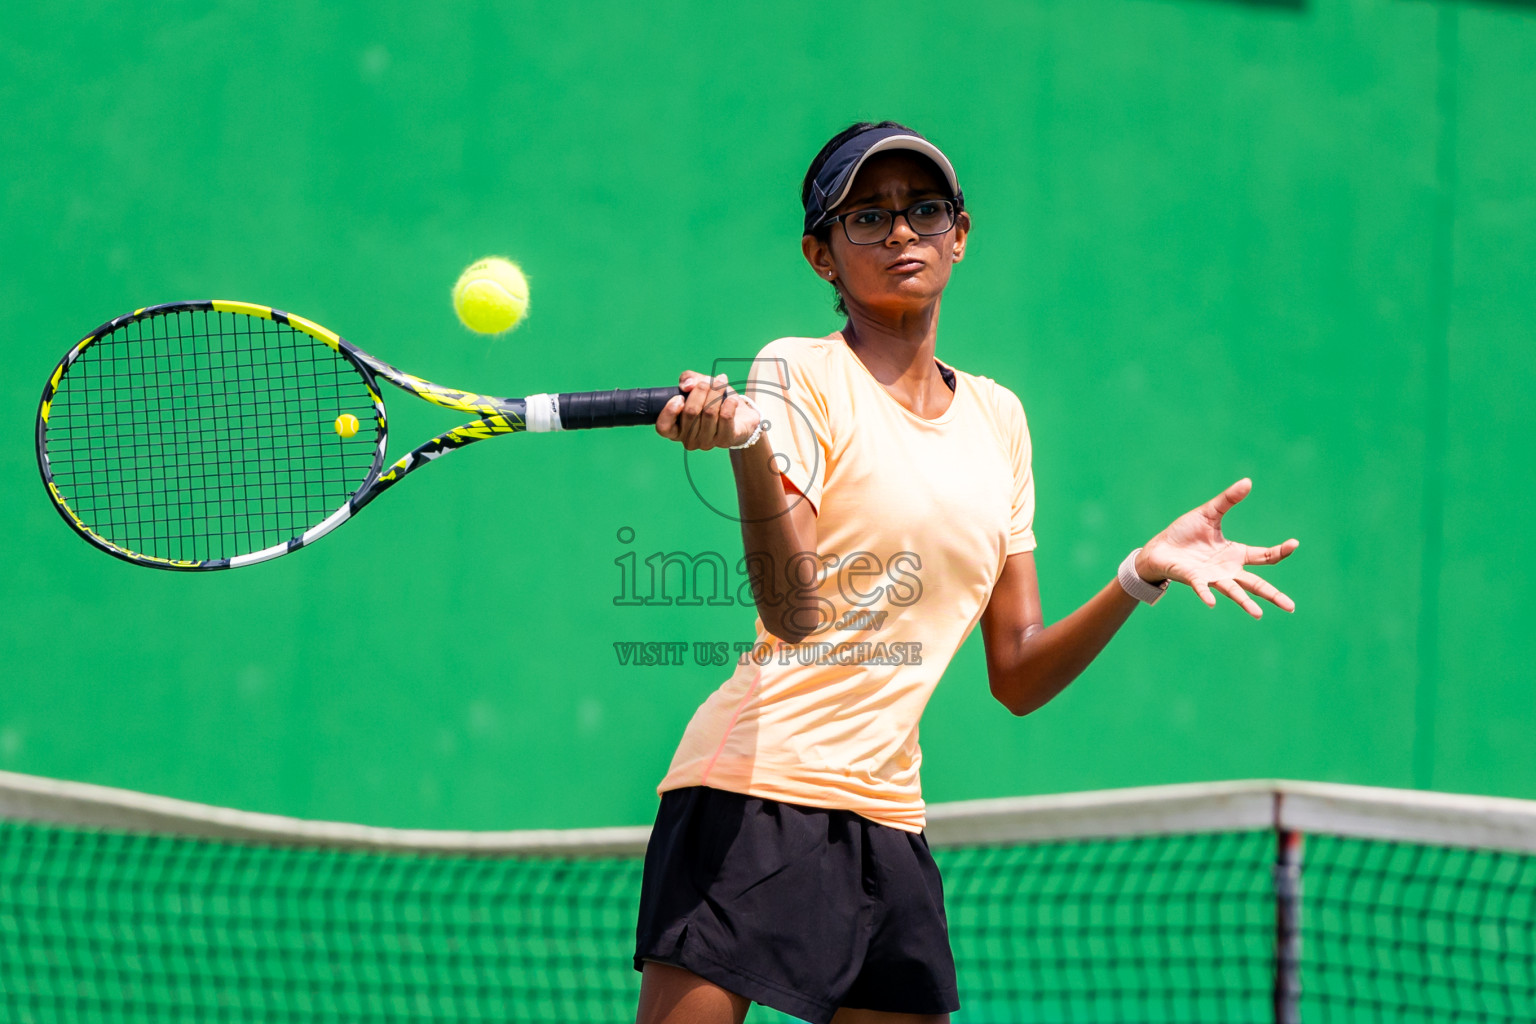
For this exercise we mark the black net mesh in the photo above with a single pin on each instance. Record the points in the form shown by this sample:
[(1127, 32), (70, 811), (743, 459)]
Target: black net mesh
[(118, 927), (108, 926), (1151, 929), (1417, 934), (198, 435)]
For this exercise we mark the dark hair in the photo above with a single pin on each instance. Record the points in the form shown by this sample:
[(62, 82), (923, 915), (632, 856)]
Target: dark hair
[(824, 232)]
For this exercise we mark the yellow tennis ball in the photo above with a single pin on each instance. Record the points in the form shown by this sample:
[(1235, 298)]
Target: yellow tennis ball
[(491, 295), (346, 425)]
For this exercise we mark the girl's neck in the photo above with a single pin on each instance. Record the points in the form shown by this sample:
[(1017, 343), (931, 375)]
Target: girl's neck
[(899, 353), (895, 347)]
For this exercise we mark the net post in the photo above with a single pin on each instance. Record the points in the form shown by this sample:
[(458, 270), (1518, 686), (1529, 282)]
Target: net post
[(1287, 953)]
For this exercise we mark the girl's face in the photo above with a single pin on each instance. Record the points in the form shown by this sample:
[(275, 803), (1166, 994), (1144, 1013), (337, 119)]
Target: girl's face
[(906, 271)]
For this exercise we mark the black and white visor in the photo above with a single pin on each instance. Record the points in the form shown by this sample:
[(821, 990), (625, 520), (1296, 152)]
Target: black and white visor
[(836, 176)]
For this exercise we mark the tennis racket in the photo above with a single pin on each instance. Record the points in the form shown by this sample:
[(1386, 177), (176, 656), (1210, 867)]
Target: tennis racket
[(213, 434)]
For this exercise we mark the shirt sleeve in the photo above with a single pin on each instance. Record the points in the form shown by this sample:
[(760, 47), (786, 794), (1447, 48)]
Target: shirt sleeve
[(1021, 534), (789, 394)]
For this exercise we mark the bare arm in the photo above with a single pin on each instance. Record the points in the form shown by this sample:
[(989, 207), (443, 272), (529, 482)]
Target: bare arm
[(1028, 662), (778, 536), (778, 527)]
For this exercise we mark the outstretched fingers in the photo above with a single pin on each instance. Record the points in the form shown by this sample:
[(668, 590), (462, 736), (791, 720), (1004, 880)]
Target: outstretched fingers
[(1260, 587), (1238, 588), (1223, 502), (1202, 590), (1269, 556), (1231, 589)]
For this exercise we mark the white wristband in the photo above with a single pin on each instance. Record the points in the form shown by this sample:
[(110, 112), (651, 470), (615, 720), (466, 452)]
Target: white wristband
[(1132, 583), (757, 431)]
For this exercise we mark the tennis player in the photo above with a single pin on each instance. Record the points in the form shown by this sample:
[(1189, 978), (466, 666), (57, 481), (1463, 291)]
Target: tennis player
[(887, 506)]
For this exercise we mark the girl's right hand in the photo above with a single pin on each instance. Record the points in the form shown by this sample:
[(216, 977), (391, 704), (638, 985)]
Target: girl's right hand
[(710, 415)]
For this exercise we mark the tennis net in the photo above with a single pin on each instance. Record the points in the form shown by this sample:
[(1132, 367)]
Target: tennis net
[(1232, 902)]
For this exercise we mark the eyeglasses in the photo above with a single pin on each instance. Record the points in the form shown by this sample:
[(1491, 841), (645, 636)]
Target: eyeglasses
[(873, 226)]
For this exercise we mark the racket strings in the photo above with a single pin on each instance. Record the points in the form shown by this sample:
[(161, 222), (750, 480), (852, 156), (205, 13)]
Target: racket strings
[(198, 434)]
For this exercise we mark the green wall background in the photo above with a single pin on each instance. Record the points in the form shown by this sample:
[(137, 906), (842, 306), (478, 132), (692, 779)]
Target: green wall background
[(1290, 240)]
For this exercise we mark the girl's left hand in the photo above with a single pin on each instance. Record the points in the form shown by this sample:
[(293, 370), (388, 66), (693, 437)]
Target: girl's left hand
[(1193, 551)]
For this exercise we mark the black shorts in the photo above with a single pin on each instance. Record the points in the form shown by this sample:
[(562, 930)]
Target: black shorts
[(801, 909)]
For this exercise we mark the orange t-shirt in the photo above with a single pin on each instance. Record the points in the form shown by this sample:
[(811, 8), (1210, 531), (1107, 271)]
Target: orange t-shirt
[(915, 519)]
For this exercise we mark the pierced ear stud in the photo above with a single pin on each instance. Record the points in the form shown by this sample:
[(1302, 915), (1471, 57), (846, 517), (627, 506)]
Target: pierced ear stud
[(829, 275)]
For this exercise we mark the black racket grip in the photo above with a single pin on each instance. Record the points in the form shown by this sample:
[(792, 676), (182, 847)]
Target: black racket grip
[(630, 407)]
